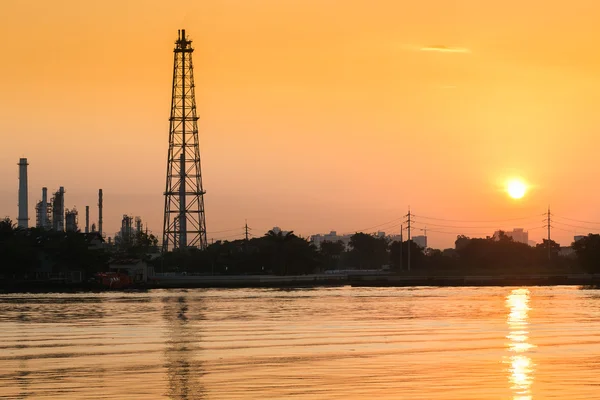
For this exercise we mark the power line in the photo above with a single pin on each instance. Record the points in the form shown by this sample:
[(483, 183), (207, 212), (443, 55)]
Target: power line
[(480, 221), (578, 220), (456, 233), (224, 231), (474, 234), (228, 237), (376, 226), (462, 227), (577, 226), (562, 229)]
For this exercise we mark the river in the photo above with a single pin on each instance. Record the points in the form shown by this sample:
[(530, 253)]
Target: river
[(322, 343)]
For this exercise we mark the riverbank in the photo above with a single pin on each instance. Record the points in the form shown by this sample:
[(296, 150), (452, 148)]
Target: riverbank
[(303, 281)]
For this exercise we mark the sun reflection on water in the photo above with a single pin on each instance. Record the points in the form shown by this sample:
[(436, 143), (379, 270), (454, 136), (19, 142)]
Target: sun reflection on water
[(520, 371)]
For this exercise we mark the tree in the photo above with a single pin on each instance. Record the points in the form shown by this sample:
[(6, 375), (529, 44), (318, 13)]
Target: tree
[(500, 254), (331, 253), (290, 253), (547, 251), (588, 252), (461, 242), (399, 255), (7, 227), (368, 252)]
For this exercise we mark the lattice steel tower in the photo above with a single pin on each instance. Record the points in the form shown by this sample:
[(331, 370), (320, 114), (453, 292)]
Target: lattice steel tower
[(184, 223)]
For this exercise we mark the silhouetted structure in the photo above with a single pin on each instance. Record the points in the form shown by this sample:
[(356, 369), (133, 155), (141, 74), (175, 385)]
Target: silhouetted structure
[(184, 223), (519, 235), (23, 218), (58, 210), (43, 212), (71, 220), (87, 219), (100, 211), (126, 233), (420, 240)]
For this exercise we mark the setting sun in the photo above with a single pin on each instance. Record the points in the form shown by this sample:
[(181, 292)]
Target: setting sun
[(516, 188)]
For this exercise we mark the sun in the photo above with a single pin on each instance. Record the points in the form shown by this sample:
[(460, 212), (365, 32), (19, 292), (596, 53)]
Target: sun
[(516, 188)]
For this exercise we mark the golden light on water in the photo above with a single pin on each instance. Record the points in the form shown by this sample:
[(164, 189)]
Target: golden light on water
[(520, 371)]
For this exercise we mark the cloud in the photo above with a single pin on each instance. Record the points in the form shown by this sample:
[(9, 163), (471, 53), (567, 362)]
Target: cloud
[(445, 49)]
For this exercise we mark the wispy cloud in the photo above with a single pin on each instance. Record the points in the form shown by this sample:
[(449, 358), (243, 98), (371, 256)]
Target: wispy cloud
[(445, 49)]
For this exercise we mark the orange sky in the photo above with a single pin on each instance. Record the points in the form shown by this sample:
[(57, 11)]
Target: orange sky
[(313, 116)]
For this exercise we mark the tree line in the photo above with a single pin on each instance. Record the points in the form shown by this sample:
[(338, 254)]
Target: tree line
[(280, 253), (286, 253), (23, 251)]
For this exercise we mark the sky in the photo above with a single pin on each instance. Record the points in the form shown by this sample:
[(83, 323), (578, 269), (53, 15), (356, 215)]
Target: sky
[(315, 115)]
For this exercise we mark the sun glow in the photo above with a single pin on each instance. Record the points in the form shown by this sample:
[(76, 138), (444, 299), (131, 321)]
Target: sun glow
[(516, 188)]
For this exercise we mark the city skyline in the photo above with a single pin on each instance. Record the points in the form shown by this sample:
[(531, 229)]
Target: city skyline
[(312, 117)]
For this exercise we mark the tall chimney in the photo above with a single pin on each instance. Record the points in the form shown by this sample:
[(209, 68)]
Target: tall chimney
[(87, 219), (44, 220), (61, 209), (23, 219), (100, 211)]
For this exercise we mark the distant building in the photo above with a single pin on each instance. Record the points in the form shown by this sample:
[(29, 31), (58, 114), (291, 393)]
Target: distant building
[(566, 251), (330, 237), (395, 238), (420, 241), (137, 269), (277, 230), (518, 235), (578, 237), (334, 237)]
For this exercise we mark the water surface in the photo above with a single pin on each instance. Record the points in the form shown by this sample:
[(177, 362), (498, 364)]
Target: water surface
[(323, 343)]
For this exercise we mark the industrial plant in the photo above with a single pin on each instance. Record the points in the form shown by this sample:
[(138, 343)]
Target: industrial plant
[(51, 214)]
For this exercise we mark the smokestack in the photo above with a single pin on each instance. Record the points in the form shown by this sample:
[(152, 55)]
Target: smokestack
[(100, 211), (87, 219), (23, 219), (44, 219), (61, 209)]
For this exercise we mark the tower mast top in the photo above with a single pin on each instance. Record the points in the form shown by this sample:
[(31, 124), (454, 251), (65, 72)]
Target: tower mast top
[(182, 44)]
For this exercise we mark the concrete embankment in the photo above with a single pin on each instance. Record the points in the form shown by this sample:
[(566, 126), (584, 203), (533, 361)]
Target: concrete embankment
[(180, 281), (500, 280), (175, 281), (172, 281)]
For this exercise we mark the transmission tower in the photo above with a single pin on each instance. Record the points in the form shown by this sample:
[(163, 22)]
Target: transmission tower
[(184, 223), (408, 221)]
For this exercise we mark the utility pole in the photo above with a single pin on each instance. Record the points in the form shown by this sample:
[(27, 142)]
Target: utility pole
[(408, 230), (548, 222), (401, 245), (246, 229)]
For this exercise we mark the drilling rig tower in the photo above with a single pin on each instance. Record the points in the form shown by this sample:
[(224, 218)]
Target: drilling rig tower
[(184, 221)]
